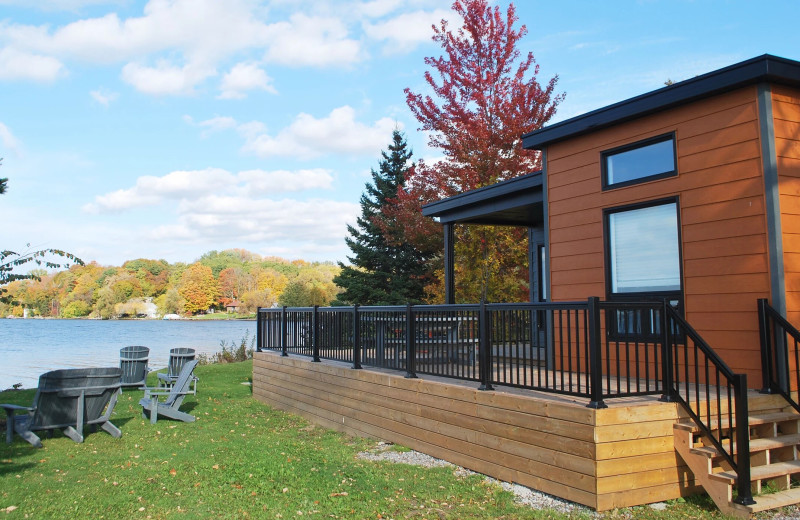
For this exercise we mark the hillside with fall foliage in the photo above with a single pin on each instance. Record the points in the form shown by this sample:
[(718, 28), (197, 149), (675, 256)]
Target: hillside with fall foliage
[(215, 281)]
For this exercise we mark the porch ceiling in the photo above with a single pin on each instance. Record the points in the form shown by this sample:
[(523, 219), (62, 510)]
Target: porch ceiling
[(515, 202)]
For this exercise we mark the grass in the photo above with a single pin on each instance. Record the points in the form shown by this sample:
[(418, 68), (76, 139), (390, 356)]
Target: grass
[(243, 459)]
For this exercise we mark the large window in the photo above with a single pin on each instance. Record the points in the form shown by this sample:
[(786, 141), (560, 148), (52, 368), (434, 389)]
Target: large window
[(640, 162), (643, 263), (643, 249)]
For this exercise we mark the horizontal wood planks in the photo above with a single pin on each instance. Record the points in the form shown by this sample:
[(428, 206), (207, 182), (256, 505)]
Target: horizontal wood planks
[(720, 189), (615, 457), (786, 120)]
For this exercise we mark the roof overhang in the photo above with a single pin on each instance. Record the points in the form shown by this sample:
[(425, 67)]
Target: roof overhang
[(766, 68), (515, 202)]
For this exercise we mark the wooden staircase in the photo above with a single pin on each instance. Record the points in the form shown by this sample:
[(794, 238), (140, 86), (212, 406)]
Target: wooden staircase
[(775, 462)]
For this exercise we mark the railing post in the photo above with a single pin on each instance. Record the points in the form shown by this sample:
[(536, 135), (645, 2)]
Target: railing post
[(667, 380), (742, 442), (484, 348), (595, 360), (284, 332), (766, 347), (411, 350), (356, 338), (315, 335), (260, 319)]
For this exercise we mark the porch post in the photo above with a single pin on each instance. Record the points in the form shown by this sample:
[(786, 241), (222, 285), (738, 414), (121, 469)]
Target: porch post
[(260, 323), (411, 350), (356, 338), (284, 319), (315, 335), (533, 262), (449, 265), (595, 359)]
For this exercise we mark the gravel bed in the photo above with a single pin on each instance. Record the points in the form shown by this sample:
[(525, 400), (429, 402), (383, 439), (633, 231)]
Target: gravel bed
[(522, 494)]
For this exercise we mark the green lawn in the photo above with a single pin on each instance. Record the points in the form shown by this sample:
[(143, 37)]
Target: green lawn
[(242, 459)]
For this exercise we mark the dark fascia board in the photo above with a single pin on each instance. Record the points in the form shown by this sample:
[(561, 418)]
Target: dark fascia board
[(766, 68), (483, 196)]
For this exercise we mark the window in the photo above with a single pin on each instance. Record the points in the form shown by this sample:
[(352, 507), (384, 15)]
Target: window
[(643, 262), (644, 161), (643, 249)]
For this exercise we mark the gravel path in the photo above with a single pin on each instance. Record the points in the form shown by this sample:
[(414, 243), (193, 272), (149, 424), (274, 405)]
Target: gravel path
[(523, 495)]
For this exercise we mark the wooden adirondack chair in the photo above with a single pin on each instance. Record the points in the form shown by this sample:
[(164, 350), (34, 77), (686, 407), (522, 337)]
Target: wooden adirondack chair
[(178, 357), (175, 396), (133, 362), (68, 400)]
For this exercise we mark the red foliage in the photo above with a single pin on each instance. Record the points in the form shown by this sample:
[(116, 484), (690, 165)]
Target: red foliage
[(485, 98)]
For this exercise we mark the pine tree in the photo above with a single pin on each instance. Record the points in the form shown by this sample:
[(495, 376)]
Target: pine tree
[(383, 271)]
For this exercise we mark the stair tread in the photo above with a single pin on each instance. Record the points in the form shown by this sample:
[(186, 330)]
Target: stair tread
[(755, 419), (773, 500), (766, 443), (762, 472)]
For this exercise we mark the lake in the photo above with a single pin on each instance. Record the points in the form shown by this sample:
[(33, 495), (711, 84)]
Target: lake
[(29, 348)]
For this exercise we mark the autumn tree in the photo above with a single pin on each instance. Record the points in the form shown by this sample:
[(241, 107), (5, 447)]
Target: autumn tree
[(384, 269), (485, 96), (199, 288)]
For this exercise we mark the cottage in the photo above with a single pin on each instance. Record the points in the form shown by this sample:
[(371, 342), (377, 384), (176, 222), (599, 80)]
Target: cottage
[(664, 265)]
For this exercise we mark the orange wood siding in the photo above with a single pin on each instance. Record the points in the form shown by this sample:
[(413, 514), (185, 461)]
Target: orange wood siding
[(786, 118), (723, 226)]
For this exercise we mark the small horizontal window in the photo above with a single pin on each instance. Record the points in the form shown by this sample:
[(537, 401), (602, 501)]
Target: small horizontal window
[(649, 160)]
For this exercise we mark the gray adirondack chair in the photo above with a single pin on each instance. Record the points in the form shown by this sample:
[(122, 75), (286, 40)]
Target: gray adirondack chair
[(175, 395), (178, 357), (67, 400), (133, 362)]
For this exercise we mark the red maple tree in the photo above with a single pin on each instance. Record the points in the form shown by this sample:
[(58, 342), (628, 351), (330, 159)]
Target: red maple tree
[(485, 97)]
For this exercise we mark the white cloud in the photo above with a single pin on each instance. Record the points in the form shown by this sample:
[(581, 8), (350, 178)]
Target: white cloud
[(306, 40), (239, 219), (213, 125), (8, 140), (260, 181), (103, 96), (406, 31), (16, 64), (166, 79), (309, 137), (243, 77), (187, 187)]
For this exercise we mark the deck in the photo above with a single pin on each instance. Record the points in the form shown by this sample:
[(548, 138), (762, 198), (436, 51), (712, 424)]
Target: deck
[(618, 456)]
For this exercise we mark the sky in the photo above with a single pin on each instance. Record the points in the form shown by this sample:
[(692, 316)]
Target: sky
[(169, 128)]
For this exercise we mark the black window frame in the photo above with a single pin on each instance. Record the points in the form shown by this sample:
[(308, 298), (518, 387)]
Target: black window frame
[(633, 146), (649, 325)]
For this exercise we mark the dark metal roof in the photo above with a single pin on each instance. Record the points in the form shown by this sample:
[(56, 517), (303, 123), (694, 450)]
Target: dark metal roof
[(766, 68), (515, 202)]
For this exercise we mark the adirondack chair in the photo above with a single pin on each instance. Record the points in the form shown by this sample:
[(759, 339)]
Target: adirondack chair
[(133, 362), (175, 395), (178, 357), (68, 400)]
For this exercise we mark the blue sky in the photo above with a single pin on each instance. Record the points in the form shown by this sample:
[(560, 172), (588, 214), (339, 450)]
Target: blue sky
[(168, 128)]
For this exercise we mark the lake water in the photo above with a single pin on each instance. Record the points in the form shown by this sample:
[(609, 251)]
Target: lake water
[(29, 348)]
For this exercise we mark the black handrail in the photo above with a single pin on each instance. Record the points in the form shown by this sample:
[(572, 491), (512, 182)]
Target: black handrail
[(700, 376), (780, 341)]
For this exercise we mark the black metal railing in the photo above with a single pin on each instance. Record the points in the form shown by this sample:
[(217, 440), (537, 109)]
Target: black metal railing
[(780, 353), (713, 395), (591, 349)]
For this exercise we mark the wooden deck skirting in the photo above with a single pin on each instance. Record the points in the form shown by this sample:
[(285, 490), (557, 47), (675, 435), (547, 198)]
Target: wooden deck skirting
[(615, 457)]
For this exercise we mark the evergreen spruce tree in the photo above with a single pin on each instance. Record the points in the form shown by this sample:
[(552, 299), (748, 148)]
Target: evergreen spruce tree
[(382, 271)]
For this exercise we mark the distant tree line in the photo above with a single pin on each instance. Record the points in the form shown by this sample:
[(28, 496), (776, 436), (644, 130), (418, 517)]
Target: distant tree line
[(213, 282)]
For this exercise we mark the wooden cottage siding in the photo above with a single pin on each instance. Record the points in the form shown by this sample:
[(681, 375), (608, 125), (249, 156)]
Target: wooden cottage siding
[(615, 457), (786, 121), (720, 193)]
